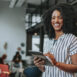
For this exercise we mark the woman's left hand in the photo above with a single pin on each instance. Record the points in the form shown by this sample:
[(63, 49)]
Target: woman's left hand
[(51, 57)]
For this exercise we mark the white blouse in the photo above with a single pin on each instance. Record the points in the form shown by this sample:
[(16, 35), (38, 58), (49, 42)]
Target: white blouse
[(66, 44)]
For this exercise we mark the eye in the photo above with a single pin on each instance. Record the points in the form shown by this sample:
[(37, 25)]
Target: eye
[(60, 17), (53, 17)]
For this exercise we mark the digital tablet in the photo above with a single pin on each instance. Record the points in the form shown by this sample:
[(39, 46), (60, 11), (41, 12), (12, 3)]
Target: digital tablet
[(40, 55)]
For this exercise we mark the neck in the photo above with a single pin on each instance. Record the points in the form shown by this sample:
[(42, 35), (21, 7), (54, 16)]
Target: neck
[(58, 34)]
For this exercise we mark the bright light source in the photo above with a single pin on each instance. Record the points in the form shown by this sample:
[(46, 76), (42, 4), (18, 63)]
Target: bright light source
[(20, 3), (12, 3), (35, 34)]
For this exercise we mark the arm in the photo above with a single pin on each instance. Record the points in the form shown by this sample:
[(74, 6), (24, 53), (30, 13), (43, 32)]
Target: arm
[(68, 67), (65, 67)]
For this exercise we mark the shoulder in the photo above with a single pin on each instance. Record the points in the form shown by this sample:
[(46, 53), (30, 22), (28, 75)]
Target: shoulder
[(70, 36)]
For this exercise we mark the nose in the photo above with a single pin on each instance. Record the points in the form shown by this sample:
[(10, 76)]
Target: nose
[(56, 19)]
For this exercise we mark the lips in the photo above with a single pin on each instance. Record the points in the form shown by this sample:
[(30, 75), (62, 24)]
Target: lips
[(56, 25)]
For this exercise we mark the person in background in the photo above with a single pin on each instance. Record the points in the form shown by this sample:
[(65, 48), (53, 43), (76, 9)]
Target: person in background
[(17, 58), (61, 47), (4, 56), (17, 65)]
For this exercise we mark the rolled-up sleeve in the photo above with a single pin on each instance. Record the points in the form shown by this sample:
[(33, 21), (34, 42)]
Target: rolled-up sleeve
[(73, 46)]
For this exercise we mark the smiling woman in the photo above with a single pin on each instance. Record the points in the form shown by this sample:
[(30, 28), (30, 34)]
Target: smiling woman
[(57, 23), (60, 25), (57, 20)]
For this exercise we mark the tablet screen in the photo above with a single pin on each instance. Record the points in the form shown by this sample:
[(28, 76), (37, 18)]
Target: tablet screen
[(40, 55)]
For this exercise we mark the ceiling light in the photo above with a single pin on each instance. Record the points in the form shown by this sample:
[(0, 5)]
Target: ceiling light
[(20, 3), (12, 3)]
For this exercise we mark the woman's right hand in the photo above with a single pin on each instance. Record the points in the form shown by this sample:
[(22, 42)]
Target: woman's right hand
[(39, 63)]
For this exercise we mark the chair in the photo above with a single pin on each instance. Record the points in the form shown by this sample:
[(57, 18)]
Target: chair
[(4, 70)]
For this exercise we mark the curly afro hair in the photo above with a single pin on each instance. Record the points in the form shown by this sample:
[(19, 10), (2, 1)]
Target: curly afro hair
[(68, 14)]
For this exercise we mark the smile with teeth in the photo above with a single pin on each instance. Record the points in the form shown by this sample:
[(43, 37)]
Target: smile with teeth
[(56, 25)]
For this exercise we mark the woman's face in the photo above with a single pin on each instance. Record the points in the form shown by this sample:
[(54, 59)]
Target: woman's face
[(57, 20)]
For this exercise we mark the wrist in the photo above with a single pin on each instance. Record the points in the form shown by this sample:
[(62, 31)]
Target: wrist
[(54, 62), (42, 68), (57, 64)]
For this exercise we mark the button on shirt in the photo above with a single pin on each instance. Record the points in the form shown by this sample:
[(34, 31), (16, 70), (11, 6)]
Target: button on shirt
[(65, 45)]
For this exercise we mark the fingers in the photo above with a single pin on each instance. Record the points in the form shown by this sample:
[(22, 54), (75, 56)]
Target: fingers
[(46, 54), (38, 61), (49, 55)]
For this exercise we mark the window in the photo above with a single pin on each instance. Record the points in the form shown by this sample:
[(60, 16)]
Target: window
[(32, 20), (36, 43), (34, 39)]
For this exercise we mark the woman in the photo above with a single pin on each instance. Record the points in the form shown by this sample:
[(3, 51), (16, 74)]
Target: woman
[(17, 58), (61, 47), (17, 65), (4, 56)]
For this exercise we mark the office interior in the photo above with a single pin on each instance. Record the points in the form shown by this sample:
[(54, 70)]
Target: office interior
[(21, 28)]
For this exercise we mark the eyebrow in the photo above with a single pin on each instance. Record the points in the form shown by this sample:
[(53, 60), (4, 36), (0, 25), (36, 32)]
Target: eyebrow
[(58, 16)]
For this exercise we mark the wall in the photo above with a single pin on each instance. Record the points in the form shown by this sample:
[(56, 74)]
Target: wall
[(12, 30)]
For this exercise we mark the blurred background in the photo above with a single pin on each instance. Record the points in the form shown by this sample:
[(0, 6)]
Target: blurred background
[(21, 27)]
